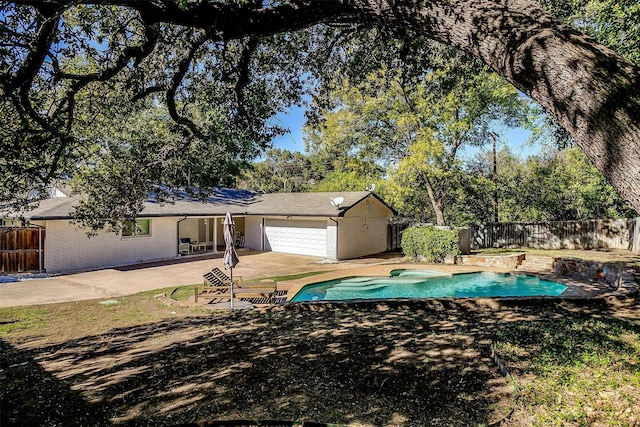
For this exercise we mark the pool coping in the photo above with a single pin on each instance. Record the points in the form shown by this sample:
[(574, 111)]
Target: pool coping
[(576, 288)]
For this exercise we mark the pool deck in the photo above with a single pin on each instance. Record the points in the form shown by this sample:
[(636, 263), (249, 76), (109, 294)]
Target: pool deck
[(120, 281), (576, 289)]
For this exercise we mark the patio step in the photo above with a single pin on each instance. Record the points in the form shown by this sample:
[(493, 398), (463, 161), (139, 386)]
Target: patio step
[(537, 263)]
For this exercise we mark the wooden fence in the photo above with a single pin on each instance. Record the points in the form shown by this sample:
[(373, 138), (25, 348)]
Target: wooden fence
[(596, 234), (21, 249)]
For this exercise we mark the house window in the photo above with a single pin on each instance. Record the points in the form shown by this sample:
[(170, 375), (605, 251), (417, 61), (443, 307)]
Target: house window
[(141, 227)]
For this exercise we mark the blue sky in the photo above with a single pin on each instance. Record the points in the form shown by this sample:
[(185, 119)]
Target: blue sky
[(294, 119)]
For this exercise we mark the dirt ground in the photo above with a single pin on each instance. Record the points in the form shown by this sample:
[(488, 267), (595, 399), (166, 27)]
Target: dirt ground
[(403, 363), (406, 363)]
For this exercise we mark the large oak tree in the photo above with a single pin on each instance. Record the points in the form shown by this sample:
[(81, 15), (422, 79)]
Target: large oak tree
[(592, 91)]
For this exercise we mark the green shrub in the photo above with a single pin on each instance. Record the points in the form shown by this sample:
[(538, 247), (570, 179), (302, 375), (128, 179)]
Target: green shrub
[(430, 244)]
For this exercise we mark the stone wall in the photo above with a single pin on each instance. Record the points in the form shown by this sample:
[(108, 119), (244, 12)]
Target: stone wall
[(620, 279), (498, 261), (616, 276)]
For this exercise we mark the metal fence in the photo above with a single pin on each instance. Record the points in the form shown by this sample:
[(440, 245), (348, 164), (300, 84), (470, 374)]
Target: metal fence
[(394, 236), (595, 234), (21, 249)]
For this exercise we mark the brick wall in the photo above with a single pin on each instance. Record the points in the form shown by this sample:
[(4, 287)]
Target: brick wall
[(69, 249)]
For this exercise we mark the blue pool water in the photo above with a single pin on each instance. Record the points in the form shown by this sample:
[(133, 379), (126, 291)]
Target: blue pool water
[(429, 284)]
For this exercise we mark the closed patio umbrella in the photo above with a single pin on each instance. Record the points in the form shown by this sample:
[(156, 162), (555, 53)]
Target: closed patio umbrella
[(230, 258)]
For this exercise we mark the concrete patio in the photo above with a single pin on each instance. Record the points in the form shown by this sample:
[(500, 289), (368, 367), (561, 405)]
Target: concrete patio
[(114, 282)]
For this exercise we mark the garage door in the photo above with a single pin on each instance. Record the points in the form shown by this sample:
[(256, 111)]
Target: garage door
[(296, 237)]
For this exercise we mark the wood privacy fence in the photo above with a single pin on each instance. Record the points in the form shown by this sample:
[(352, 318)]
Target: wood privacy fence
[(596, 234), (21, 249)]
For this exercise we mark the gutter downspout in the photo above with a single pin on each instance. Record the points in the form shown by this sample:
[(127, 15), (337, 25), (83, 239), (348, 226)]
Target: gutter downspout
[(337, 238), (178, 232)]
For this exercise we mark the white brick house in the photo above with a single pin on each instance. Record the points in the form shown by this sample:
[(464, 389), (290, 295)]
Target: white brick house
[(300, 223)]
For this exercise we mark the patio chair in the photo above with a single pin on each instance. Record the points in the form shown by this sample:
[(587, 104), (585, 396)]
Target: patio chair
[(184, 247), (217, 286), (261, 292), (217, 277), (213, 294)]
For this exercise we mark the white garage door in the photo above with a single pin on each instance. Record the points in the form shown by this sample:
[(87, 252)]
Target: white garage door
[(296, 237)]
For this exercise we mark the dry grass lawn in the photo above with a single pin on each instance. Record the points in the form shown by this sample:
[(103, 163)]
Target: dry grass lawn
[(144, 363)]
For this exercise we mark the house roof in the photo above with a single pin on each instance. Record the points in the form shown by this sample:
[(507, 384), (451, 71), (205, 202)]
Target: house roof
[(223, 200), (308, 204)]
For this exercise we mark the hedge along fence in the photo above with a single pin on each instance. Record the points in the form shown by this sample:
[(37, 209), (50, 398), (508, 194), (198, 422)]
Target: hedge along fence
[(595, 234), (430, 244)]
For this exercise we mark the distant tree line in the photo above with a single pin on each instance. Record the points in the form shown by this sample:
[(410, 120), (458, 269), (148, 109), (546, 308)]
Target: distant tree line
[(554, 185)]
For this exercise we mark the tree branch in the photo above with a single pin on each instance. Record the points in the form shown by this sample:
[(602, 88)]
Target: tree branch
[(199, 39), (148, 91), (231, 20), (243, 76), (39, 50), (132, 52)]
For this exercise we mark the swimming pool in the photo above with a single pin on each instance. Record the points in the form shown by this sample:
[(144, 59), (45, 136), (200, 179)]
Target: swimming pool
[(429, 284)]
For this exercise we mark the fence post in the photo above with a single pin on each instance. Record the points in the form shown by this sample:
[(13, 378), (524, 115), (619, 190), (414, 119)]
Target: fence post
[(634, 235)]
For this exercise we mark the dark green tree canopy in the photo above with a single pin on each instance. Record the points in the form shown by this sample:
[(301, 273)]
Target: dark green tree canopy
[(78, 76)]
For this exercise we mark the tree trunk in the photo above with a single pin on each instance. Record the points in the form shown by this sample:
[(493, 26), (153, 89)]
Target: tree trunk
[(436, 201), (495, 178)]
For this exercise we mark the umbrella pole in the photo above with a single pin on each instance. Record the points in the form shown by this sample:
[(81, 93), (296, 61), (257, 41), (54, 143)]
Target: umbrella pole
[(232, 288)]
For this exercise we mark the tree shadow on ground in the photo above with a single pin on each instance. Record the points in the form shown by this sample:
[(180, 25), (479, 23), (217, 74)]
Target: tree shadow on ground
[(32, 396), (375, 363)]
